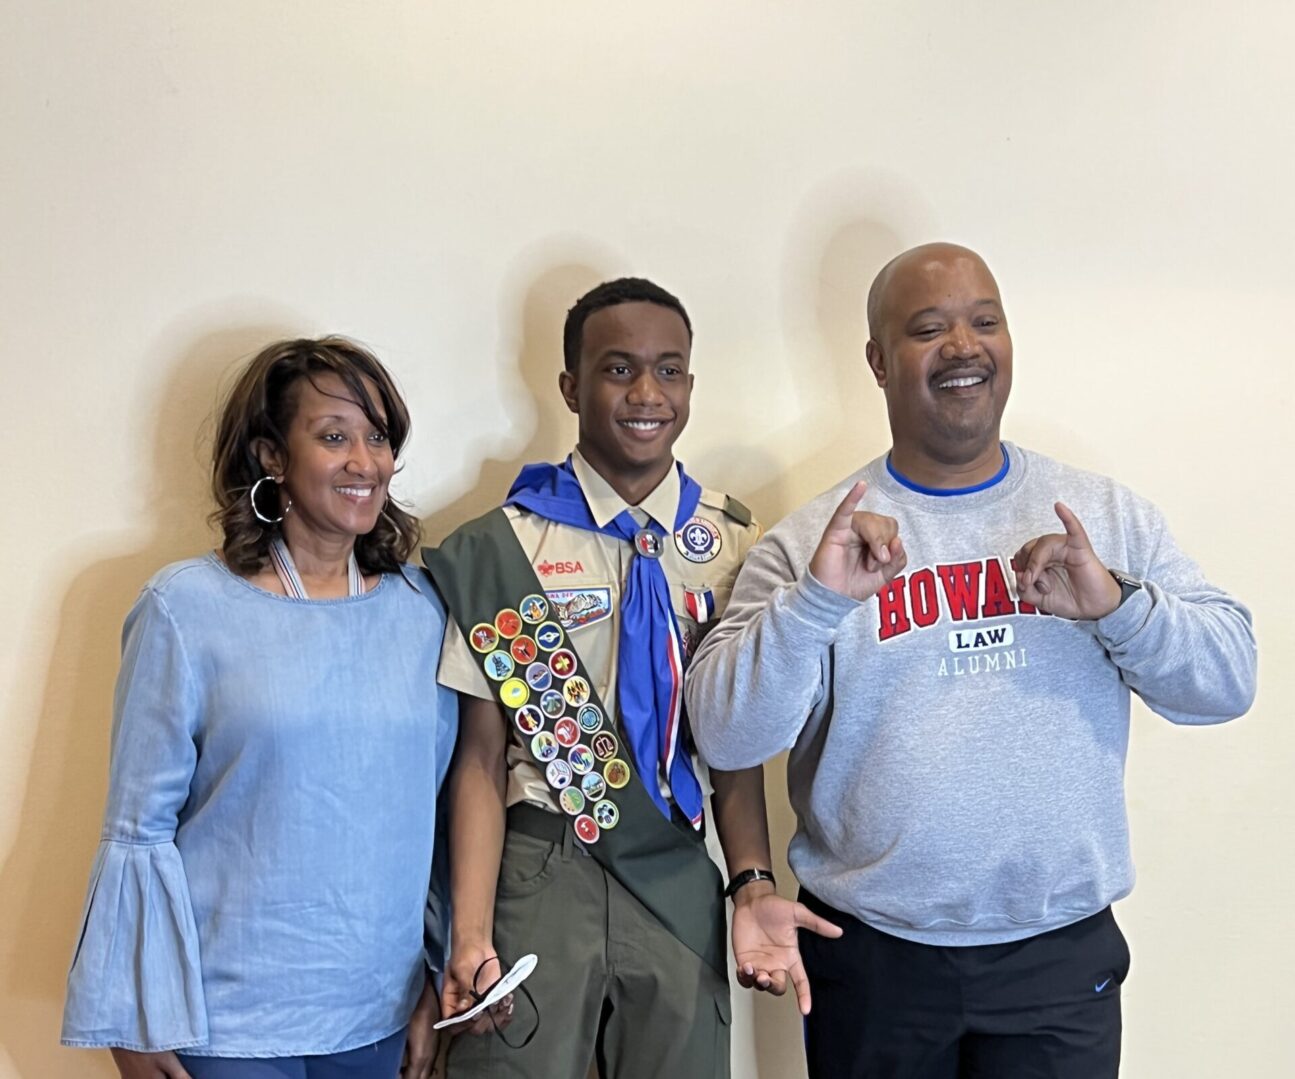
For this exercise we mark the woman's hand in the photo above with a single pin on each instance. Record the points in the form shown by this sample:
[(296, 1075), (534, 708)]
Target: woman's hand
[(421, 1041), (133, 1065)]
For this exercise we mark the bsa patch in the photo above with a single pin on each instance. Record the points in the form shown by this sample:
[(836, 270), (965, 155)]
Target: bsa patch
[(594, 786), (538, 677), (699, 540), (508, 622), (533, 609), (562, 663), (514, 693), (498, 665), (558, 773), (590, 718), (581, 759), (603, 745), (586, 829), (566, 732), (528, 719), (579, 607), (548, 636), (606, 814), (576, 691), (544, 747), (523, 649), (617, 773), (552, 704), (572, 801), (484, 637)]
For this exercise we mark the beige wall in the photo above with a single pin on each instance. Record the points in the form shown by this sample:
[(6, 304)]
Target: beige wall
[(181, 182)]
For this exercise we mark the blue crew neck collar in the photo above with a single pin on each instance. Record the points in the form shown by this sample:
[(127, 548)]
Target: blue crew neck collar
[(949, 492)]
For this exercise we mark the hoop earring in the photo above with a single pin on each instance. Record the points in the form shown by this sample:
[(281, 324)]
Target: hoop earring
[(251, 497)]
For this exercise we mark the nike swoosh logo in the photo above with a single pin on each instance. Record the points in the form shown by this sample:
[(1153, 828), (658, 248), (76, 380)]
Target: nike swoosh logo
[(1099, 988)]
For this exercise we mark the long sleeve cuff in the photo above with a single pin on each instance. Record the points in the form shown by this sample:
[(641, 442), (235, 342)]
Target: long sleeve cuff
[(1124, 623), (136, 981), (819, 606)]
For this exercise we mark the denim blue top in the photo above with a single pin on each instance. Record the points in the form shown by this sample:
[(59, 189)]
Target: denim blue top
[(263, 873)]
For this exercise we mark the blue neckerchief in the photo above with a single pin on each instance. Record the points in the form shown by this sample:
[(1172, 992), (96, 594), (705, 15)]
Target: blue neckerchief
[(649, 666)]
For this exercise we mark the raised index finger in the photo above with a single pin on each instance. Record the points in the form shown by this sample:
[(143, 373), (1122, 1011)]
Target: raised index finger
[(843, 515), (1074, 529)]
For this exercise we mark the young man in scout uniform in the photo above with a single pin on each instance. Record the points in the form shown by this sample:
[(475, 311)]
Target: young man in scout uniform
[(576, 804)]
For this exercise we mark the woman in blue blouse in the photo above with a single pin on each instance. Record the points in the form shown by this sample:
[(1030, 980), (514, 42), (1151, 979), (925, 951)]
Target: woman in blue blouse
[(256, 908)]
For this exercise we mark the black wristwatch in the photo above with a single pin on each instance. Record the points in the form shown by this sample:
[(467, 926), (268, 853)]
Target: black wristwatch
[(748, 876), (1128, 585)]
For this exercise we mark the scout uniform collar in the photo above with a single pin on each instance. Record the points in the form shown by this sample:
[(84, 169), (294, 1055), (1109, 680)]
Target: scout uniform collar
[(661, 505)]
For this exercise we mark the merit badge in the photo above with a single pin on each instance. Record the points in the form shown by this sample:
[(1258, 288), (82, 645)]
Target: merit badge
[(586, 829), (533, 609), (548, 636), (523, 650), (700, 604), (528, 719), (552, 704), (571, 801), (544, 747), (509, 623), (590, 718), (514, 693), (558, 773), (648, 543), (698, 540), (498, 665), (576, 691), (566, 732), (581, 759), (538, 677), (617, 774), (603, 745), (577, 607), (606, 814), (594, 786), (483, 637), (562, 663)]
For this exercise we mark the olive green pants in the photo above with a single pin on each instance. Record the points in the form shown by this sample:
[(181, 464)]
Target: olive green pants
[(612, 985)]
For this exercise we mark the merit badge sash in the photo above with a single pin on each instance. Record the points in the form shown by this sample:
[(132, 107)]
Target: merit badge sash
[(546, 694)]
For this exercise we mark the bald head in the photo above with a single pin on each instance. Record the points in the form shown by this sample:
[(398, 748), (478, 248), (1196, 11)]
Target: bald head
[(898, 272)]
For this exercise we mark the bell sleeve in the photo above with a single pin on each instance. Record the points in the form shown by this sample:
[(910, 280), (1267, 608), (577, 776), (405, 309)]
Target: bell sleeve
[(136, 979)]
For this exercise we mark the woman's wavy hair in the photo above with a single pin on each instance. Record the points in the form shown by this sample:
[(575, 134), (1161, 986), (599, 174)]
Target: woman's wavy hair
[(261, 405)]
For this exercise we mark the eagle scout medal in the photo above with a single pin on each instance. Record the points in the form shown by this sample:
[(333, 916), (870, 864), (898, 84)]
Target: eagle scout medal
[(483, 637), (700, 604), (576, 691), (528, 719), (523, 649), (548, 636), (586, 829), (498, 665), (571, 801), (552, 704), (648, 543), (594, 786), (581, 759), (558, 773), (514, 693), (590, 718), (699, 540), (544, 747), (533, 609), (606, 814), (604, 745), (617, 773), (538, 677), (566, 732), (509, 623)]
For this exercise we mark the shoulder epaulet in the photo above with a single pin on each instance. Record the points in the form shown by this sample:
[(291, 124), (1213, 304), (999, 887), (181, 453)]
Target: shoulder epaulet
[(737, 511)]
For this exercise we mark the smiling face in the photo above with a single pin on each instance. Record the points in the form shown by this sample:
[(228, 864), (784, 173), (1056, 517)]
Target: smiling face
[(337, 465), (631, 390), (941, 351)]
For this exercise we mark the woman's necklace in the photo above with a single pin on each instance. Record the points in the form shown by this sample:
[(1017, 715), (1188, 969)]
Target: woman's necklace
[(281, 558)]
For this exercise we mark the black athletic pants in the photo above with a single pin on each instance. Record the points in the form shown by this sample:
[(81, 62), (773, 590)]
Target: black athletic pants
[(1047, 1007)]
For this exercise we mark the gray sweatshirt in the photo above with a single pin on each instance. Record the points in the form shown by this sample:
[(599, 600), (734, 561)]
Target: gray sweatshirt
[(957, 758)]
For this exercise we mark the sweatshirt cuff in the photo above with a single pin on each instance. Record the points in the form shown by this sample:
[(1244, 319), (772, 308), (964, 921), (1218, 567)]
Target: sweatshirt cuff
[(819, 606), (1124, 623)]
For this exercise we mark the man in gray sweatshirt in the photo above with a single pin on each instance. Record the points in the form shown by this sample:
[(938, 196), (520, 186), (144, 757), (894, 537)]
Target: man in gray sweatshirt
[(946, 642)]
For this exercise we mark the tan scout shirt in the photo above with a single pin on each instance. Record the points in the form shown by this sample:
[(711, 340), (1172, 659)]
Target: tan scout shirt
[(583, 574)]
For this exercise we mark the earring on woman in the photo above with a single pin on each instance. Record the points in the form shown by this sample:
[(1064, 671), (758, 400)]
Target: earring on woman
[(251, 495)]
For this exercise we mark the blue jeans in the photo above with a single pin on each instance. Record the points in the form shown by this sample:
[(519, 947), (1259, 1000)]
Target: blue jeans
[(381, 1060)]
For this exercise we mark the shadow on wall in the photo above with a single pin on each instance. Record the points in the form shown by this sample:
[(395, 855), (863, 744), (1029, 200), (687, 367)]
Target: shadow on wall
[(43, 881)]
